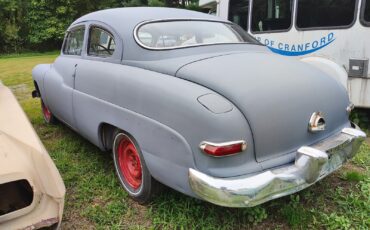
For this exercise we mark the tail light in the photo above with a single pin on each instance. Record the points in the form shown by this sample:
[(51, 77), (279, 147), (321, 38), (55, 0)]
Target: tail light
[(223, 149)]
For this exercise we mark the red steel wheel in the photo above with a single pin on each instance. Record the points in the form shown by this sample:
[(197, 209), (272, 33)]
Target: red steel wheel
[(131, 168), (47, 114), (129, 163)]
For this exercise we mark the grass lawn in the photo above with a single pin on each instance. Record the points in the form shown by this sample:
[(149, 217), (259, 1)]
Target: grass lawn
[(94, 199)]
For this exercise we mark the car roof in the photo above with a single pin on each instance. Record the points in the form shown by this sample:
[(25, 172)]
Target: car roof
[(125, 19)]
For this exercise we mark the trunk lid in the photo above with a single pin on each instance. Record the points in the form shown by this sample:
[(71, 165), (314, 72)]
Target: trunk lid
[(277, 96)]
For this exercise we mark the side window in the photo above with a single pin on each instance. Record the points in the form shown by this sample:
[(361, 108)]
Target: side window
[(238, 12), (325, 13), (101, 43), (74, 41), (271, 15), (365, 17)]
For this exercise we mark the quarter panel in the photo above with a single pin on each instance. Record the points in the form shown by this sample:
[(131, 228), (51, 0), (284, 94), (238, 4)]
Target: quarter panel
[(169, 166), (152, 107)]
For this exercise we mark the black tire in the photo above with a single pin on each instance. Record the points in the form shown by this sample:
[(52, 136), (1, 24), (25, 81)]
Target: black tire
[(140, 188), (49, 118)]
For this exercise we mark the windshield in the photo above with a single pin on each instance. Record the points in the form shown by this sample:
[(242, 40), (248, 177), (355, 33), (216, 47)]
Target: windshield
[(177, 34)]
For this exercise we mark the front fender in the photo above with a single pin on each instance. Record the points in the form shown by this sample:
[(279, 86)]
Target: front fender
[(38, 74)]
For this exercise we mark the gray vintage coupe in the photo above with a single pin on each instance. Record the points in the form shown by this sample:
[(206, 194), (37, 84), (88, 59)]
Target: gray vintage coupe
[(193, 102)]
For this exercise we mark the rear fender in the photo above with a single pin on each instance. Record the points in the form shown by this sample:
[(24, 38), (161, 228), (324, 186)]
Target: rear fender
[(329, 67)]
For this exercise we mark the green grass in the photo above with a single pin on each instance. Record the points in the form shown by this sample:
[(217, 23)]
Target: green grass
[(94, 198), (28, 54)]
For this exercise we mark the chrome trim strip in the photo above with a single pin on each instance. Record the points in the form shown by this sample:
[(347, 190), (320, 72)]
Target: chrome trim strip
[(203, 143), (137, 27), (312, 163)]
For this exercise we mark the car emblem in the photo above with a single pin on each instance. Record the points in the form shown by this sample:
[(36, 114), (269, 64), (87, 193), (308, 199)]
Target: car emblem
[(317, 122)]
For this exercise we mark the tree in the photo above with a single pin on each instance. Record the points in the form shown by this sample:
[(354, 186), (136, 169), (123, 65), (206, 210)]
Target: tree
[(12, 30), (41, 24)]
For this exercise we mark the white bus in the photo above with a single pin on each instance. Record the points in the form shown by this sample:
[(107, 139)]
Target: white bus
[(334, 35)]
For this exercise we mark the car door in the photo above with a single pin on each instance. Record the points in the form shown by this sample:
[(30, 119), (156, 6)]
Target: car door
[(95, 81), (60, 81)]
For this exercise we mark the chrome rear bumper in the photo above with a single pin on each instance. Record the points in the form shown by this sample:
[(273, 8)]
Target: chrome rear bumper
[(311, 164)]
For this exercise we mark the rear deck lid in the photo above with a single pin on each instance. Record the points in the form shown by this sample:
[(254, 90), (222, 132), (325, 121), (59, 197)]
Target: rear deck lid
[(277, 96)]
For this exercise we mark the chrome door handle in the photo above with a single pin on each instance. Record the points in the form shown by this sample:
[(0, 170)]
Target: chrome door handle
[(74, 73)]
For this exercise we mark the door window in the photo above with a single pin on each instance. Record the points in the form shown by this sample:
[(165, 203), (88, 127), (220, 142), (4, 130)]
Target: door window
[(238, 12), (101, 43), (74, 41), (271, 15), (325, 13)]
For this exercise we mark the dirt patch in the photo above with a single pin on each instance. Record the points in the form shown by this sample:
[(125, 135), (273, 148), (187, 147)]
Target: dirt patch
[(322, 191), (136, 216), (73, 220), (368, 140), (21, 91), (353, 167), (272, 222), (336, 180)]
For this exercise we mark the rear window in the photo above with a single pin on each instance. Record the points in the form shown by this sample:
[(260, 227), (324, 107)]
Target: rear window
[(185, 33), (325, 13)]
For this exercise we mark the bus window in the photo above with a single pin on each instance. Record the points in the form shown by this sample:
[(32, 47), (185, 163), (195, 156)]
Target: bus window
[(271, 15), (238, 12), (325, 13), (366, 13)]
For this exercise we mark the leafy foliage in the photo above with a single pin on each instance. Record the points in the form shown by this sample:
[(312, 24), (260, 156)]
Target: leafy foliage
[(361, 117), (40, 24), (295, 213), (12, 29)]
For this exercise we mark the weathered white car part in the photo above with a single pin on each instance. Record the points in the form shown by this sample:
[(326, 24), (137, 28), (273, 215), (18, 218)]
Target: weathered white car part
[(31, 188)]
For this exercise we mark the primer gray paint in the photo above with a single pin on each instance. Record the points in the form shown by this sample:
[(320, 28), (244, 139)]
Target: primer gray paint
[(153, 95)]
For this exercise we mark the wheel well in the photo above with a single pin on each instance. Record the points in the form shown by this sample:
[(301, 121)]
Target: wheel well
[(36, 87), (106, 135)]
